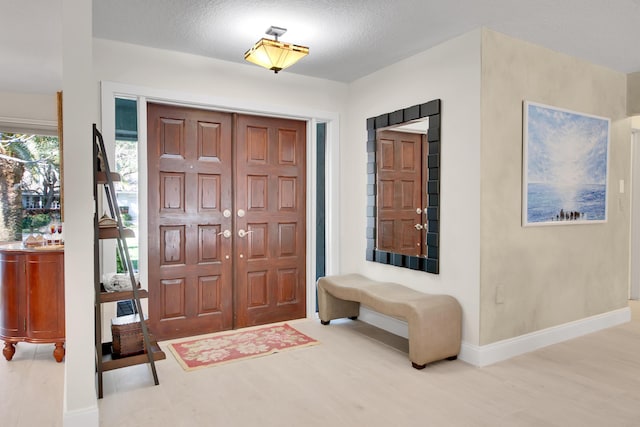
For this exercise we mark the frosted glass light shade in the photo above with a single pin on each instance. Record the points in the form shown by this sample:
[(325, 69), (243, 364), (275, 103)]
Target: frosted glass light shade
[(275, 55)]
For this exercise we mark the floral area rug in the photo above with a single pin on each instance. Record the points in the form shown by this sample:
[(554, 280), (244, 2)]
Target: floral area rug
[(237, 345)]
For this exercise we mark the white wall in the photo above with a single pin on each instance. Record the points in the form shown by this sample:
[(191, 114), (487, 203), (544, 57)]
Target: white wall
[(80, 404), (192, 74), (450, 72)]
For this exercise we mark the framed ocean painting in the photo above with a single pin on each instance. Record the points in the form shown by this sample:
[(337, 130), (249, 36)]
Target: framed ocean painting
[(565, 164)]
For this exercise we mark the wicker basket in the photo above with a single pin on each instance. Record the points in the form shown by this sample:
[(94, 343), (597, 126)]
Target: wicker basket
[(127, 337)]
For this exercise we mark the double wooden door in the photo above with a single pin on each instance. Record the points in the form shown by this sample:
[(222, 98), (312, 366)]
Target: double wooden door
[(226, 203)]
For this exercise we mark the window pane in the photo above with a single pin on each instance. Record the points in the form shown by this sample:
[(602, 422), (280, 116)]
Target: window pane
[(126, 151), (29, 184)]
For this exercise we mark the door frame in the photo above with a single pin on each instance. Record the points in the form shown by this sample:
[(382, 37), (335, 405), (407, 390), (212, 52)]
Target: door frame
[(111, 90), (634, 282)]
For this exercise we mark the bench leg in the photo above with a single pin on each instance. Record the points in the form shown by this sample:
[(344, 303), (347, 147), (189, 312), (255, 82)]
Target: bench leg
[(416, 366), (325, 322), (353, 317), (452, 357), (330, 307)]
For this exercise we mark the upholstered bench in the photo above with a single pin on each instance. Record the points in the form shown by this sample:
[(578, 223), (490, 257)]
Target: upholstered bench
[(435, 321)]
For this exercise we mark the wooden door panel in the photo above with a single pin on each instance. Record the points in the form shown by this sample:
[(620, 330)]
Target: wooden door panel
[(172, 190), (190, 262), (209, 141), (409, 154), (209, 243), (287, 147), (257, 241), (209, 192), (209, 295), (408, 189), (258, 193), (172, 143), (172, 293), (288, 285), (287, 242), (287, 193), (172, 245), (257, 289), (270, 260)]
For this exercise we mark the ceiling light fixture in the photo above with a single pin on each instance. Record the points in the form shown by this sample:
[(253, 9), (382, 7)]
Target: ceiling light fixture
[(274, 54)]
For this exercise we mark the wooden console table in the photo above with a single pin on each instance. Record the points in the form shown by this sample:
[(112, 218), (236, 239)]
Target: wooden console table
[(32, 297)]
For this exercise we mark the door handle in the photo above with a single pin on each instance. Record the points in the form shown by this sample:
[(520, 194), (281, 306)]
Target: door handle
[(242, 233), (418, 226), (226, 234)]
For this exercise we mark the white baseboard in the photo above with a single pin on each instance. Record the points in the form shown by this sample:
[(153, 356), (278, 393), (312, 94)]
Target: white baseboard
[(88, 417), (382, 321), (492, 353)]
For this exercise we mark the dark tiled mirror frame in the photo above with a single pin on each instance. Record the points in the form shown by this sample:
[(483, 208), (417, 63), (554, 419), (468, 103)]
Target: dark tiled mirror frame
[(430, 263)]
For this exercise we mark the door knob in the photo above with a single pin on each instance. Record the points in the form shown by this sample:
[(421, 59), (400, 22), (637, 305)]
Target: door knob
[(418, 211), (243, 233), (418, 226), (241, 213), (225, 233), (226, 213)]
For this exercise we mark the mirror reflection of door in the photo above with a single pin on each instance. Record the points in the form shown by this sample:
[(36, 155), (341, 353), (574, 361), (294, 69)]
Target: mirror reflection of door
[(401, 224)]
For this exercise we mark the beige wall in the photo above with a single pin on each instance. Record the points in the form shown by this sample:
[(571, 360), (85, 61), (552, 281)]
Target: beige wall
[(550, 275), (633, 94)]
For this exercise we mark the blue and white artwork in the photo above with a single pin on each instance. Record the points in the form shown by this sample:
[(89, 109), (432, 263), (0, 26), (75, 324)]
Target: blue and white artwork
[(566, 156)]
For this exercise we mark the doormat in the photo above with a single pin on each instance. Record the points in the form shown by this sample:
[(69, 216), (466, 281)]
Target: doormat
[(232, 346)]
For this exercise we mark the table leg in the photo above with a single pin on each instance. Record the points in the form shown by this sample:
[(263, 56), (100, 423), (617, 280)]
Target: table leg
[(9, 350), (59, 352)]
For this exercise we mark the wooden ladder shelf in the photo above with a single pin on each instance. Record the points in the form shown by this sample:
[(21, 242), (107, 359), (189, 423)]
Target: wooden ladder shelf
[(105, 359)]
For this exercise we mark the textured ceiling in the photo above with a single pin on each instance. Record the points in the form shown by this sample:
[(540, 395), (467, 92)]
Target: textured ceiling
[(347, 38), (351, 38)]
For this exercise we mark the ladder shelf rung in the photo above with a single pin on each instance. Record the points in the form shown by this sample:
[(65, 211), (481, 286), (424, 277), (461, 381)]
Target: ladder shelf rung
[(122, 295), (113, 233), (110, 362), (101, 177)]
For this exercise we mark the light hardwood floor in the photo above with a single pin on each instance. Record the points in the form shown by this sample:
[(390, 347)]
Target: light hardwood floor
[(357, 376)]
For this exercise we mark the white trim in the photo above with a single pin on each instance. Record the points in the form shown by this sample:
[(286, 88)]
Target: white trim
[(634, 241), (38, 127), (143, 187), (332, 195), (109, 90), (382, 321), (506, 349), (311, 211), (87, 417), (502, 350)]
